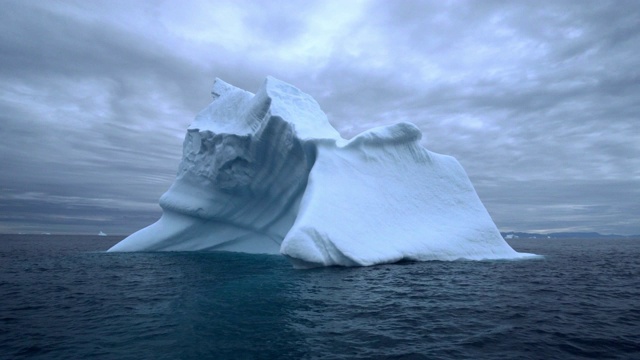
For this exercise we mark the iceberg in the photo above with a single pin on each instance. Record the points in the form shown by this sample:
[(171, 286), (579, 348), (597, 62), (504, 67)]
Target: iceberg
[(267, 173)]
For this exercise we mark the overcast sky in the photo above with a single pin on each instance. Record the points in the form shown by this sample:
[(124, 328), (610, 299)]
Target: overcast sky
[(538, 100)]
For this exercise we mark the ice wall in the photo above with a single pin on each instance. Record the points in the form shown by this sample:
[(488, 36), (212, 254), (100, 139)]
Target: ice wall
[(267, 173)]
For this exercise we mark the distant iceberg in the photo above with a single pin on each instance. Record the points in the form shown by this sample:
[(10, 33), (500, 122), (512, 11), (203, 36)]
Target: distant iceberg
[(101, 233), (267, 173)]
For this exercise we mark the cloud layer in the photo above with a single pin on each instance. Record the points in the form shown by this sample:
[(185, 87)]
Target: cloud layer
[(539, 102)]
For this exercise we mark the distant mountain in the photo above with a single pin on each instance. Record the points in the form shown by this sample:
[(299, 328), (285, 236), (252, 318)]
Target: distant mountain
[(564, 235)]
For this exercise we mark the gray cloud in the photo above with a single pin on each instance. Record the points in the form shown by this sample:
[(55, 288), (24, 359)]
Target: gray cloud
[(539, 102)]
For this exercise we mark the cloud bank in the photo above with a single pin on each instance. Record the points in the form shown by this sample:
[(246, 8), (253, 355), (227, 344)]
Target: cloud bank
[(539, 102)]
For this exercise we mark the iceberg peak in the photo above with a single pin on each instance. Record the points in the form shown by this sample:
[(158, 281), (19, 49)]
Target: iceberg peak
[(267, 173), (220, 88)]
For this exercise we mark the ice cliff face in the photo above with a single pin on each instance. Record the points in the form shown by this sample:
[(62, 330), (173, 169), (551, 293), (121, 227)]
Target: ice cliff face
[(267, 173)]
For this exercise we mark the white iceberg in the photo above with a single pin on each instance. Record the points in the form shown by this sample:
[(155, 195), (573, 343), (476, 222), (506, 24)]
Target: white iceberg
[(267, 173)]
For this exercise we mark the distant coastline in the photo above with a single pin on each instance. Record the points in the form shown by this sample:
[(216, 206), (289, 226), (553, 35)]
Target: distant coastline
[(564, 235)]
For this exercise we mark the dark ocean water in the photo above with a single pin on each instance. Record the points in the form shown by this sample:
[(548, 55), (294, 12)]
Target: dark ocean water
[(63, 297)]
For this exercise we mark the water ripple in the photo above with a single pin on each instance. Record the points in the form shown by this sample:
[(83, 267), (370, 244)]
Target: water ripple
[(67, 299)]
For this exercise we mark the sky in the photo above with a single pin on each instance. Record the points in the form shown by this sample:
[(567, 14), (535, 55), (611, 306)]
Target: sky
[(538, 100)]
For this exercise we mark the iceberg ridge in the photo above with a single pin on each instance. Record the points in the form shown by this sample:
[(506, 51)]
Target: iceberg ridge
[(267, 173)]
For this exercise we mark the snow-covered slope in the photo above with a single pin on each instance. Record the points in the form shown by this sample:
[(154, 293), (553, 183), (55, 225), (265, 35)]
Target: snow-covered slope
[(267, 173)]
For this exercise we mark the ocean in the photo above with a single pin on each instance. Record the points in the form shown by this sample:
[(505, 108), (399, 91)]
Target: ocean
[(64, 297)]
